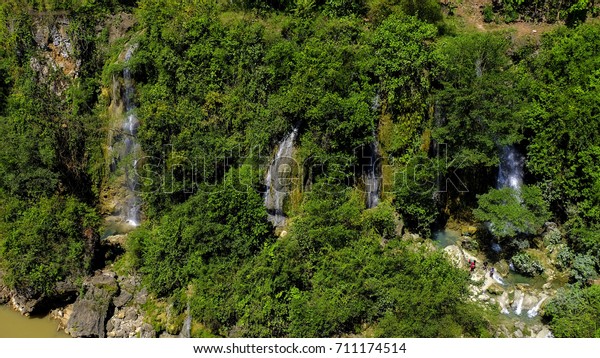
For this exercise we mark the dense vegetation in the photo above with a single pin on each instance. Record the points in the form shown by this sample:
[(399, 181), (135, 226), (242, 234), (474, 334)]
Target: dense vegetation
[(220, 83)]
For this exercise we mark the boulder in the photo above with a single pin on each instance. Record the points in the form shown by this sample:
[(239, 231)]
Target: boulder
[(122, 299), (90, 311), (455, 255), (495, 289), (544, 333), (25, 306), (502, 268)]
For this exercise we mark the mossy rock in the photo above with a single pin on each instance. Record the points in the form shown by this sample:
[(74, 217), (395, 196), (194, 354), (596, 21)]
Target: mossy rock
[(495, 289)]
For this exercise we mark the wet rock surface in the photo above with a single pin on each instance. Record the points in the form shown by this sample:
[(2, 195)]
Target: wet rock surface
[(519, 304)]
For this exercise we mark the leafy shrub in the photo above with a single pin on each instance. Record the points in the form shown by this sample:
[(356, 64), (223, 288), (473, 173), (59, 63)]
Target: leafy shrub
[(564, 258), (552, 238), (583, 268), (527, 265), (511, 213), (52, 241), (488, 13), (574, 312)]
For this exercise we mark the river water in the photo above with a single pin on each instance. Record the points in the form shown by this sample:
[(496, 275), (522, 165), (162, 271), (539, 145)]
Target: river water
[(14, 325)]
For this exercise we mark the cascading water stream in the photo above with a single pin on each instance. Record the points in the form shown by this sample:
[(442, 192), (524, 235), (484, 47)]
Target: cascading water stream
[(510, 173), (125, 152), (519, 307), (372, 180), (373, 173), (277, 179), (132, 148), (535, 309), (186, 329)]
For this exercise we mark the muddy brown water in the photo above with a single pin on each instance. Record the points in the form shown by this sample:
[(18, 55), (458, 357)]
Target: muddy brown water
[(14, 325)]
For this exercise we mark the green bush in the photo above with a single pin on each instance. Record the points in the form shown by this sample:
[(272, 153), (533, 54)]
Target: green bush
[(488, 13), (574, 312), (564, 258), (584, 268), (527, 265), (52, 241), (512, 213)]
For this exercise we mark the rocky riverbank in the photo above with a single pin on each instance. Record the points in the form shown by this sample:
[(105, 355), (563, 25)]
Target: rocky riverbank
[(515, 301)]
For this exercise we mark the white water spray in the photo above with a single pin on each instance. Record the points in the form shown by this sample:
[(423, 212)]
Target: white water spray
[(510, 173), (534, 311), (373, 180), (278, 179), (519, 307)]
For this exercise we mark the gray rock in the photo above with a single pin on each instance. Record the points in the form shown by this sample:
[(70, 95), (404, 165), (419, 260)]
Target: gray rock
[(131, 314), (141, 297), (146, 331), (122, 299), (495, 289), (91, 309), (518, 334)]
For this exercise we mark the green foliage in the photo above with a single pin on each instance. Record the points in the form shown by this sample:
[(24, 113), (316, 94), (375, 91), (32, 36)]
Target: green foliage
[(571, 11), (574, 312), (479, 103), (527, 265), (233, 226), (488, 13), (511, 213), (381, 219), (564, 258), (584, 268), (564, 90), (51, 241), (414, 191)]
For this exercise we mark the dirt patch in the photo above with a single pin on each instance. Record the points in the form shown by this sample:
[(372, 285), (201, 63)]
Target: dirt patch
[(470, 14)]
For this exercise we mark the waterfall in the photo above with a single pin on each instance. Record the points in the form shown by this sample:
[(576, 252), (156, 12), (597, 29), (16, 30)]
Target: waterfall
[(373, 174), (534, 311), (510, 173), (498, 279), (128, 150), (373, 180), (519, 307), (277, 179), (186, 329)]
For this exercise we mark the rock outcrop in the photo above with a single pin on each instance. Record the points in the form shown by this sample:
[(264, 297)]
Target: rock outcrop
[(91, 310), (56, 53), (128, 319)]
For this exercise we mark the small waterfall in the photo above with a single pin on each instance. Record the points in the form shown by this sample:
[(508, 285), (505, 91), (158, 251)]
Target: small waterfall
[(132, 148), (126, 151), (373, 180), (519, 306), (186, 329), (498, 279), (534, 311), (277, 179), (510, 173)]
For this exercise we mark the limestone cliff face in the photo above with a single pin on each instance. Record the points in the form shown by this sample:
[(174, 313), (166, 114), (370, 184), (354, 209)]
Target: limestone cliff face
[(56, 64)]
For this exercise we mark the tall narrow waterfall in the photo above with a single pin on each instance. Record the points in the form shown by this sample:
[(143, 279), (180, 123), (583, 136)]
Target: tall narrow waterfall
[(278, 179), (132, 148), (510, 173), (373, 172), (372, 180), (126, 153)]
